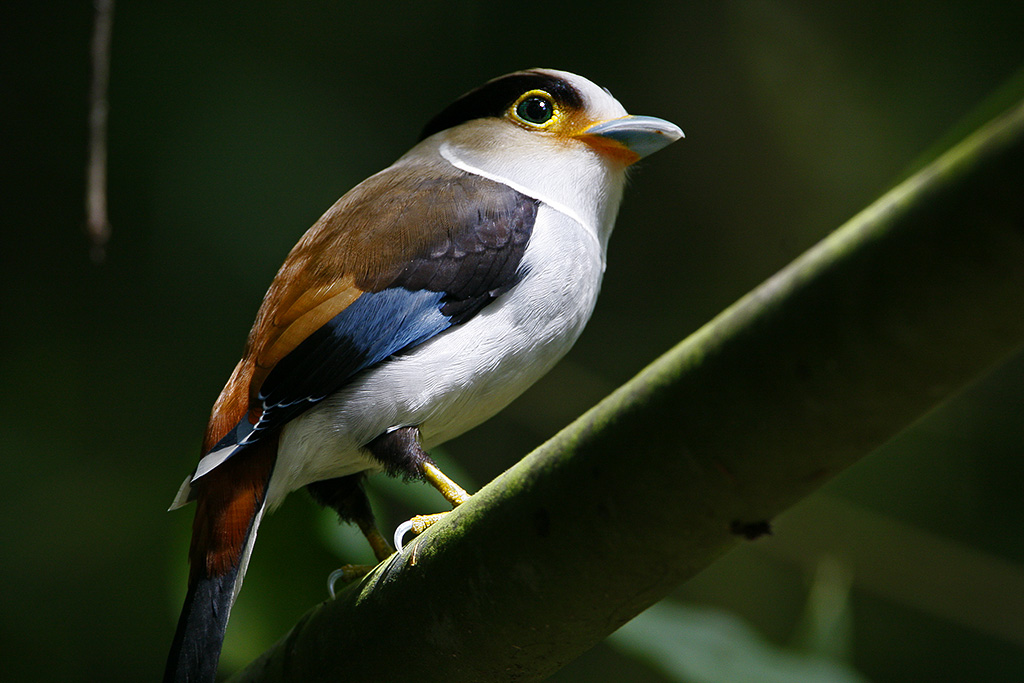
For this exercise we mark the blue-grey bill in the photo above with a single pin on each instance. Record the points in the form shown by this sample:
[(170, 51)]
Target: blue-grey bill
[(642, 135)]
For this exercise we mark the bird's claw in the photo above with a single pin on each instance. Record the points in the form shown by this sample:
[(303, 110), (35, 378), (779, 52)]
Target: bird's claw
[(400, 532)]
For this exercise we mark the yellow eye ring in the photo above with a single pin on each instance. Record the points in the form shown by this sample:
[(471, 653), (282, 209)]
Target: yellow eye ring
[(536, 109)]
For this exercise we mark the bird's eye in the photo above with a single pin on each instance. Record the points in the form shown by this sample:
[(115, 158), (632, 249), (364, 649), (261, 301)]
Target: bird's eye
[(535, 108)]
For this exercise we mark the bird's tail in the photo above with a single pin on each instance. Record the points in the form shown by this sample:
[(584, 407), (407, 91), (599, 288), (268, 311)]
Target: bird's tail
[(230, 500)]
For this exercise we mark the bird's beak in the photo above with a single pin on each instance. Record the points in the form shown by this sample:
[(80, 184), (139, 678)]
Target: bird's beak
[(631, 138)]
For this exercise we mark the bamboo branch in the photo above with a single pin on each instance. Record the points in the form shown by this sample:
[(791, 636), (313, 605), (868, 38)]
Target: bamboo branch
[(856, 339)]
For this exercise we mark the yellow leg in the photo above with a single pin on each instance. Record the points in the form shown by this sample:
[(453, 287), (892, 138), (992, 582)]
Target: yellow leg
[(452, 492), (382, 550)]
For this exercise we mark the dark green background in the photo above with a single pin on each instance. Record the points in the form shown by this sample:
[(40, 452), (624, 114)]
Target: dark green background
[(234, 125)]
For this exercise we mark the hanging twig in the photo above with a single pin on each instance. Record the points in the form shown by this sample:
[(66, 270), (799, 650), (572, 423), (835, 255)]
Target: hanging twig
[(97, 222)]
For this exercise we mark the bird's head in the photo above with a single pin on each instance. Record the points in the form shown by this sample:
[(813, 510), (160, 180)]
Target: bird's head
[(553, 135)]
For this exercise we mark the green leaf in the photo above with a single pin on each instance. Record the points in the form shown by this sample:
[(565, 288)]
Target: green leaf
[(706, 645)]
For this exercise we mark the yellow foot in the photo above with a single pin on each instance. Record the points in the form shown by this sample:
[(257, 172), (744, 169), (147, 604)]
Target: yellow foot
[(452, 492), (417, 525), (347, 574), (382, 550)]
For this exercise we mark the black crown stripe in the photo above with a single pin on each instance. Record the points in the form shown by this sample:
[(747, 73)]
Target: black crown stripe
[(493, 98)]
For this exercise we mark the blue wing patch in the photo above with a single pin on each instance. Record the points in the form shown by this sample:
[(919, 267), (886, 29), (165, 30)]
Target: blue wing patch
[(375, 326)]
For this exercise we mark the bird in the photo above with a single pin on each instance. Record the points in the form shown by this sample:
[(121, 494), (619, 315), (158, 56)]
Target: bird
[(420, 304)]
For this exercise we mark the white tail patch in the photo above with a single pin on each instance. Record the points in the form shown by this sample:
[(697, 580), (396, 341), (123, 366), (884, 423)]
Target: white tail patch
[(181, 499), (213, 459), (243, 563)]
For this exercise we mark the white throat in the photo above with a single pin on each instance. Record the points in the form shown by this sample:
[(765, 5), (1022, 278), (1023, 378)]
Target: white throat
[(452, 157), (571, 179)]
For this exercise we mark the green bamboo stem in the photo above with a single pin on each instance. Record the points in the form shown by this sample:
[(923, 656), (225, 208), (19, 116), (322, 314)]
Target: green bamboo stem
[(896, 311)]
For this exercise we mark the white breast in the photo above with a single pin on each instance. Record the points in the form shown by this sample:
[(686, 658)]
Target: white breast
[(464, 375)]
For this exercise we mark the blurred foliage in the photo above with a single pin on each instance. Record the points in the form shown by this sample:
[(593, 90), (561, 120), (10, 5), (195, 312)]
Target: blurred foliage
[(706, 645), (232, 127)]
